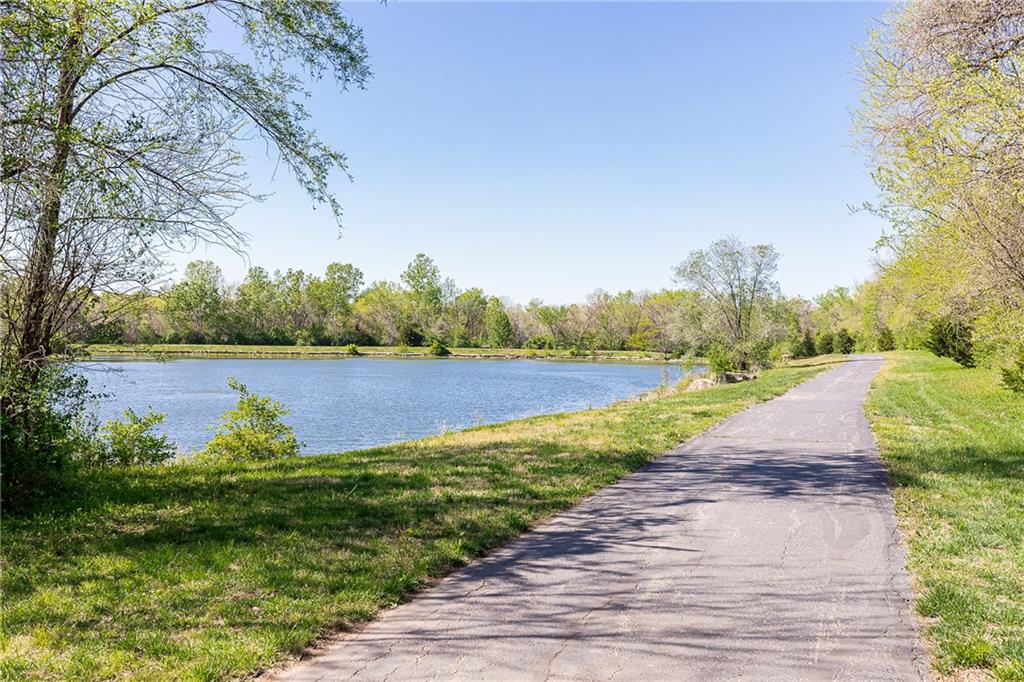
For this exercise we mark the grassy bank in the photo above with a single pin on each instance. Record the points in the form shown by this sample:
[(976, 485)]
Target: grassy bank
[(215, 350), (954, 444), (210, 572)]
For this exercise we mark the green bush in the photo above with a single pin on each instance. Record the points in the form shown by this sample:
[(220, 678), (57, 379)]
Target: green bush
[(823, 343), (132, 441), (437, 348), (720, 360), (1013, 376), (40, 430), (539, 343), (802, 345), (951, 338), (886, 341), (352, 349), (843, 342), (253, 430)]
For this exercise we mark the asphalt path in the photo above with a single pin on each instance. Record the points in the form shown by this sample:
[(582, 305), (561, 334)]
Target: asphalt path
[(766, 548)]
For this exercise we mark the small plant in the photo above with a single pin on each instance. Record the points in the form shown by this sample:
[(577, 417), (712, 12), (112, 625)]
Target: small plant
[(720, 361), (132, 441), (438, 349), (1013, 376), (352, 349), (253, 430)]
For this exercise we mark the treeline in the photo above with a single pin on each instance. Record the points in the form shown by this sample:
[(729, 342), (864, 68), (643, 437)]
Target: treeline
[(336, 308), (943, 92)]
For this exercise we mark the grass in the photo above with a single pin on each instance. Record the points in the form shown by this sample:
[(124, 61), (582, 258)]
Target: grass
[(953, 441), (210, 572), (227, 350)]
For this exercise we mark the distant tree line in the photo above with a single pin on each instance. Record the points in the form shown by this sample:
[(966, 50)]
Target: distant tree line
[(338, 308)]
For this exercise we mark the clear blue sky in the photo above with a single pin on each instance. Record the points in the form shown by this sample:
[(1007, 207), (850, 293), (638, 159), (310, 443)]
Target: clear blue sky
[(546, 150)]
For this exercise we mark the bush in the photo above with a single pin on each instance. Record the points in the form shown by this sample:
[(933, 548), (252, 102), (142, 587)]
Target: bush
[(40, 430), (823, 343), (843, 342), (352, 349), (886, 341), (437, 348), (802, 345), (539, 343), (130, 442), (720, 361), (951, 338), (253, 430), (1013, 376)]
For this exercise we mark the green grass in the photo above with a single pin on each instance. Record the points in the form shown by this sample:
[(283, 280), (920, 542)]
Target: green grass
[(211, 572), (953, 441), (217, 350)]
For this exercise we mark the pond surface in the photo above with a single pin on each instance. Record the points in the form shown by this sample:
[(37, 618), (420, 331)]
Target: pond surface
[(342, 404)]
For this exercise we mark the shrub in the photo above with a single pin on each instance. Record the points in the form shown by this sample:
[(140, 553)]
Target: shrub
[(720, 360), (843, 342), (132, 441), (886, 341), (253, 430), (802, 345), (539, 343), (352, 349), (823, 343), (951, 338), (40, 430), (1013, 376), (437, 348)]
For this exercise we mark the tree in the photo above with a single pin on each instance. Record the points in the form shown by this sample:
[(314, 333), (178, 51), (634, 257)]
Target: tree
[(943, 88), (195, 303), (500, 333), (119, 131), (737, 282), (843, 342)]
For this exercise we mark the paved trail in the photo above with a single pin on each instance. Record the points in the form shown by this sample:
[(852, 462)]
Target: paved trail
[(764, 549)]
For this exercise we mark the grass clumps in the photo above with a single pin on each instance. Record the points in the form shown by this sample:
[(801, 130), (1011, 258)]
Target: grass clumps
[(952, 441)]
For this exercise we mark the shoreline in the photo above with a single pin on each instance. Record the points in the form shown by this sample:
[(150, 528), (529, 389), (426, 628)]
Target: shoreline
[(158, 351)]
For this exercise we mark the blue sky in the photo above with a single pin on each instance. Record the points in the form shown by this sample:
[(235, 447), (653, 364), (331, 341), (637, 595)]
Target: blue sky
[(545, 150)]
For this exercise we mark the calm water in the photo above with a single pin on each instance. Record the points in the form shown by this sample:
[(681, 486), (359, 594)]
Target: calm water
[(341, 404)]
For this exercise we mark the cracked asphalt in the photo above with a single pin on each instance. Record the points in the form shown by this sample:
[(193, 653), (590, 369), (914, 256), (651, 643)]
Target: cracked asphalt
[(766, 548)]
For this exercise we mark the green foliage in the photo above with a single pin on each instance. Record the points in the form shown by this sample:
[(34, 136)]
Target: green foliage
[(352, 349), (720, 360), (500, 332), (40, 431), (951, 338), (539, 342), (843, 342), (254, 429), (886, 340), (131, 442), (823, 343), (1013, 376), (437, 349)]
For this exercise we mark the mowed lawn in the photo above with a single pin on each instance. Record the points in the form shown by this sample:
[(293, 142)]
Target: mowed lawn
[(208, 572), (953, 441)]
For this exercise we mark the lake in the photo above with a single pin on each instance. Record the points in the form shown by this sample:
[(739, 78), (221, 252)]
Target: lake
[(342, 404)]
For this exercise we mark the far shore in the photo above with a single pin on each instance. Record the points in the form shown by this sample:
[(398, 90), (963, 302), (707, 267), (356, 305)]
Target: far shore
[(249, 351)]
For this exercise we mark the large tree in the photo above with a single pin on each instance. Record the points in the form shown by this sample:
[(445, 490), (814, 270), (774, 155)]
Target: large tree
[(120, 131), (737, 280)]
